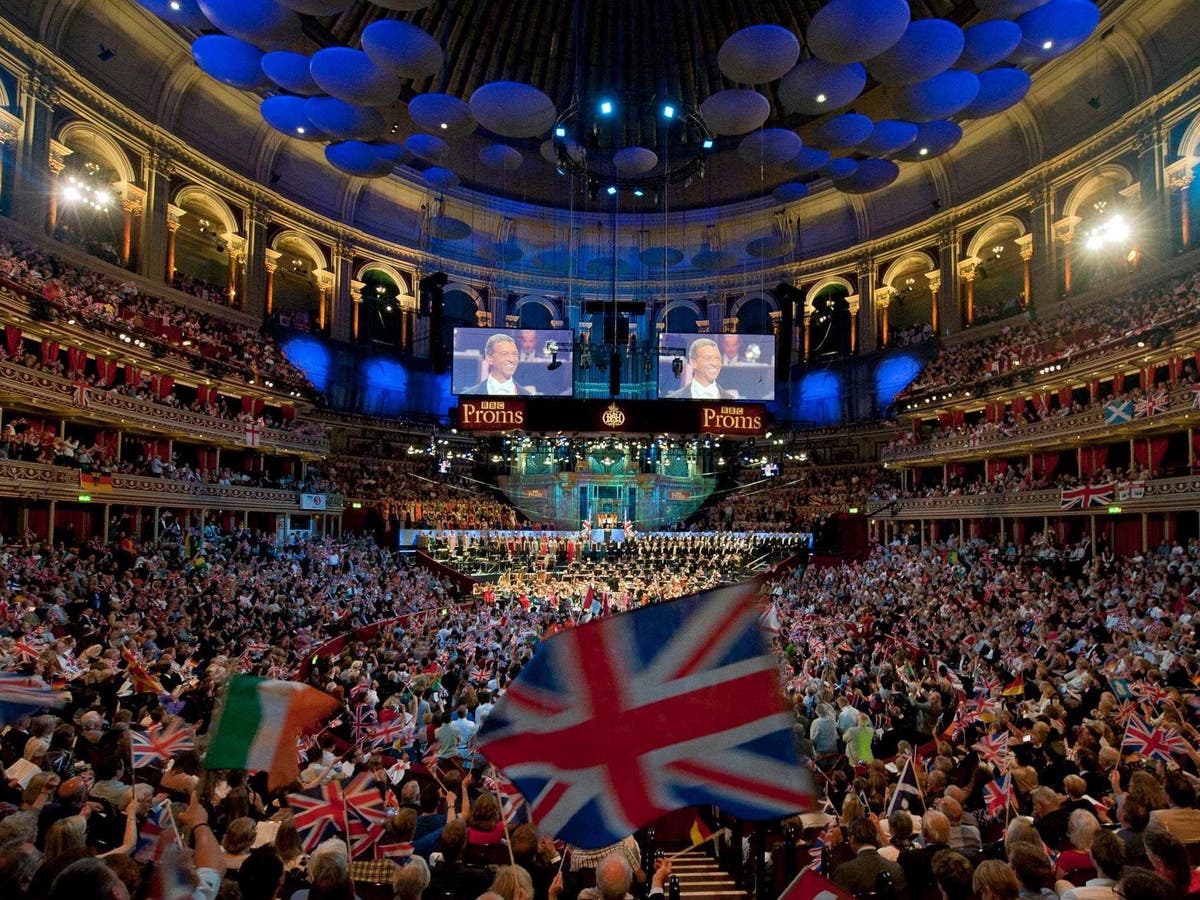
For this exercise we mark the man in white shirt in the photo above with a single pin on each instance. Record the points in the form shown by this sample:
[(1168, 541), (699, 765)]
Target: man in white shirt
[(502, 358), (704, 356)]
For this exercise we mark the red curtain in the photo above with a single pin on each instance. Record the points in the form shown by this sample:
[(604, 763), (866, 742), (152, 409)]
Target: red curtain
[(247, 404), (916, 428), (989, 412), (996, 467), (287, 412), (1176, 370), (1094, 390), (106, 371), (133, 375), (1065, 398), (163, 385), (1045, 463), (1158, 451), (945, 419), (1119, 383), (12, 340), (955, 469), (1018, 405), (959, 416), (1092, 459), (76, 359), (49, 351)]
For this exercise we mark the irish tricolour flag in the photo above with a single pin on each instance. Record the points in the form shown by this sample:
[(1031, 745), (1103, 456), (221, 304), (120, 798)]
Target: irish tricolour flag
[(259, 723)]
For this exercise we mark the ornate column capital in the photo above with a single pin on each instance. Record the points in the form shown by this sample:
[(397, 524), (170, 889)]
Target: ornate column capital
[(967, 268), (1025, 243), (271, 260), (935, 280), (174, 214), (883, 296), (1064, 229), (1180, 173), (58, 155)]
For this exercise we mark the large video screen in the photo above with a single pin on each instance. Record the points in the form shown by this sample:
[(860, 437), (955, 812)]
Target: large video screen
[(716, 367), (523, 362)]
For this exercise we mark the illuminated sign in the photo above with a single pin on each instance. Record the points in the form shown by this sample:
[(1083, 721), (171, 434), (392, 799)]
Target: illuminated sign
[(491, 414)]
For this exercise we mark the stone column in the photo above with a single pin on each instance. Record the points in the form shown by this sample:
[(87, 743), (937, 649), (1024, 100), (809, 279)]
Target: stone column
[(1044, 284), (131, 207), (341, 303), (324, 279), (270, 265), (152, 241), (58, 156), (854, 301), (1152, 146), (883, 301), (868, 340), (1064, 233), (174, 214), (1179, 179), (966, 276), (1025, 243), (935, 285), (950, 315), (236, 247), (356, 298), (31, 185), (254, 291)]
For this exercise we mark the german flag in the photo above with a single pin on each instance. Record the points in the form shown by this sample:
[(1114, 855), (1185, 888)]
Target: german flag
[(699, 832), (1015, 688)]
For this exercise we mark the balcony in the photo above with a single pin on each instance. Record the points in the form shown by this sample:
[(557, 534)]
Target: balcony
[(1162, 495), (58, 395), (35, 481), (1055, 432)]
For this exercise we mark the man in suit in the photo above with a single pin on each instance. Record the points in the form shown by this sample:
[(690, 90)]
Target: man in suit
[(502, 358), (861, 874), (705, 358)]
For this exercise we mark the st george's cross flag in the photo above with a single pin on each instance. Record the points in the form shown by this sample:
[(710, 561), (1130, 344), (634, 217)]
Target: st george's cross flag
[(614, 723)]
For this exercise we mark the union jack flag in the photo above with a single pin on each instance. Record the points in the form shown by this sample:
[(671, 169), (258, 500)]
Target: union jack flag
[(256, 648), (512, 804), (21, 693), (1151, 404), (996, 794), (1151, 693), (1156, 743), (691, 689), (26, 651), (149, 747), (992, 748), (479, 675), (1126, 711), (365, 814), (362, 722), (985, 684), (156, 833), (388, 733), (319, 814), (985, 709), (1196, 396), (1087, 495)]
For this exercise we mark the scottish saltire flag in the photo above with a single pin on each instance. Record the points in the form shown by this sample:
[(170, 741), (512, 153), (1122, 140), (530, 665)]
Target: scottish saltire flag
[(22, 694), (619, 721), (1118, 412), (908, 794)]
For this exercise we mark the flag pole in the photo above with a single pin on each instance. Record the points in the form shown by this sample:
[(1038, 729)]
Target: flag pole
[(507, 838), (712, 837)]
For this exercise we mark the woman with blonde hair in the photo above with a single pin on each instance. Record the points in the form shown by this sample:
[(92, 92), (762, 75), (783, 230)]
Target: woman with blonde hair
[(995, 880), (512, 883), (485, 824)]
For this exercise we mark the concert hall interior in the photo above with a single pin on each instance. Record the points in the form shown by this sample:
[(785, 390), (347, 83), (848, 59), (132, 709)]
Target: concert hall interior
[(556, 449)]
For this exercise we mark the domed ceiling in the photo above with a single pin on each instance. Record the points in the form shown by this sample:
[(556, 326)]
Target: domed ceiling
[(679, 103)]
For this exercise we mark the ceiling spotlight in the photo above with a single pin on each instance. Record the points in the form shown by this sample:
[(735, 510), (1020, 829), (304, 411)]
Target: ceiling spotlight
[(300, 129), (560, 132), (821, 98), (1047, 45), (708, 144), (606, 107), (176, 6), (668, 111), (612, 189), (924, 151), (444, 125), (638, 192)]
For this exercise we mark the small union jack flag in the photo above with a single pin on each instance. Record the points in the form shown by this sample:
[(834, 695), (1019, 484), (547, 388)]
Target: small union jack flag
[(362, 722), (512, 802), (26, 651), (996, 794), (388, 733), (319, 814), (156, 833), (1151, 404), (1151, 693), (1126, 711), (365, 814), (1156, 743), (992, 749), (985, 709), (149, 747), (257, 649), (985, 684)]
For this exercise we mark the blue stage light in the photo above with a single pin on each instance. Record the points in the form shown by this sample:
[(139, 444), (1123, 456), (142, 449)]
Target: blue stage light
[(606, 107), (612, 189)]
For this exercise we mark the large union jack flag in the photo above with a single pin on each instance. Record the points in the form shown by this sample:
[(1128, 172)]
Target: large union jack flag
[(21, 693), (150, 747), (319, 814), (1087, 495), (993, 748), (617, 722), (1156, 743)]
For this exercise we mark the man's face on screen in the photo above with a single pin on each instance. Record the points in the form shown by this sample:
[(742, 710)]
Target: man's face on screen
[(503, 360), (707, 363)]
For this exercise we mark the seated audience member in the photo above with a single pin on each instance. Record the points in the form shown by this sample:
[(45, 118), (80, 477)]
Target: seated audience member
[(1182, 817), (862, 873), (411, 879), (1034, 871), (918, 862), (1108, 859), (953, 872), (1169, 858), (1144, 885), (995, 880)]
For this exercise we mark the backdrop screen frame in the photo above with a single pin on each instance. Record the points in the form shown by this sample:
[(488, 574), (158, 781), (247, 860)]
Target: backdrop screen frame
[(746, 368), (533, 376)]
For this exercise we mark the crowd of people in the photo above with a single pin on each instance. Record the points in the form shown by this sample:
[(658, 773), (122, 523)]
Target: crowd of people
[(916, 653), (101, 302), (1072, 334)]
